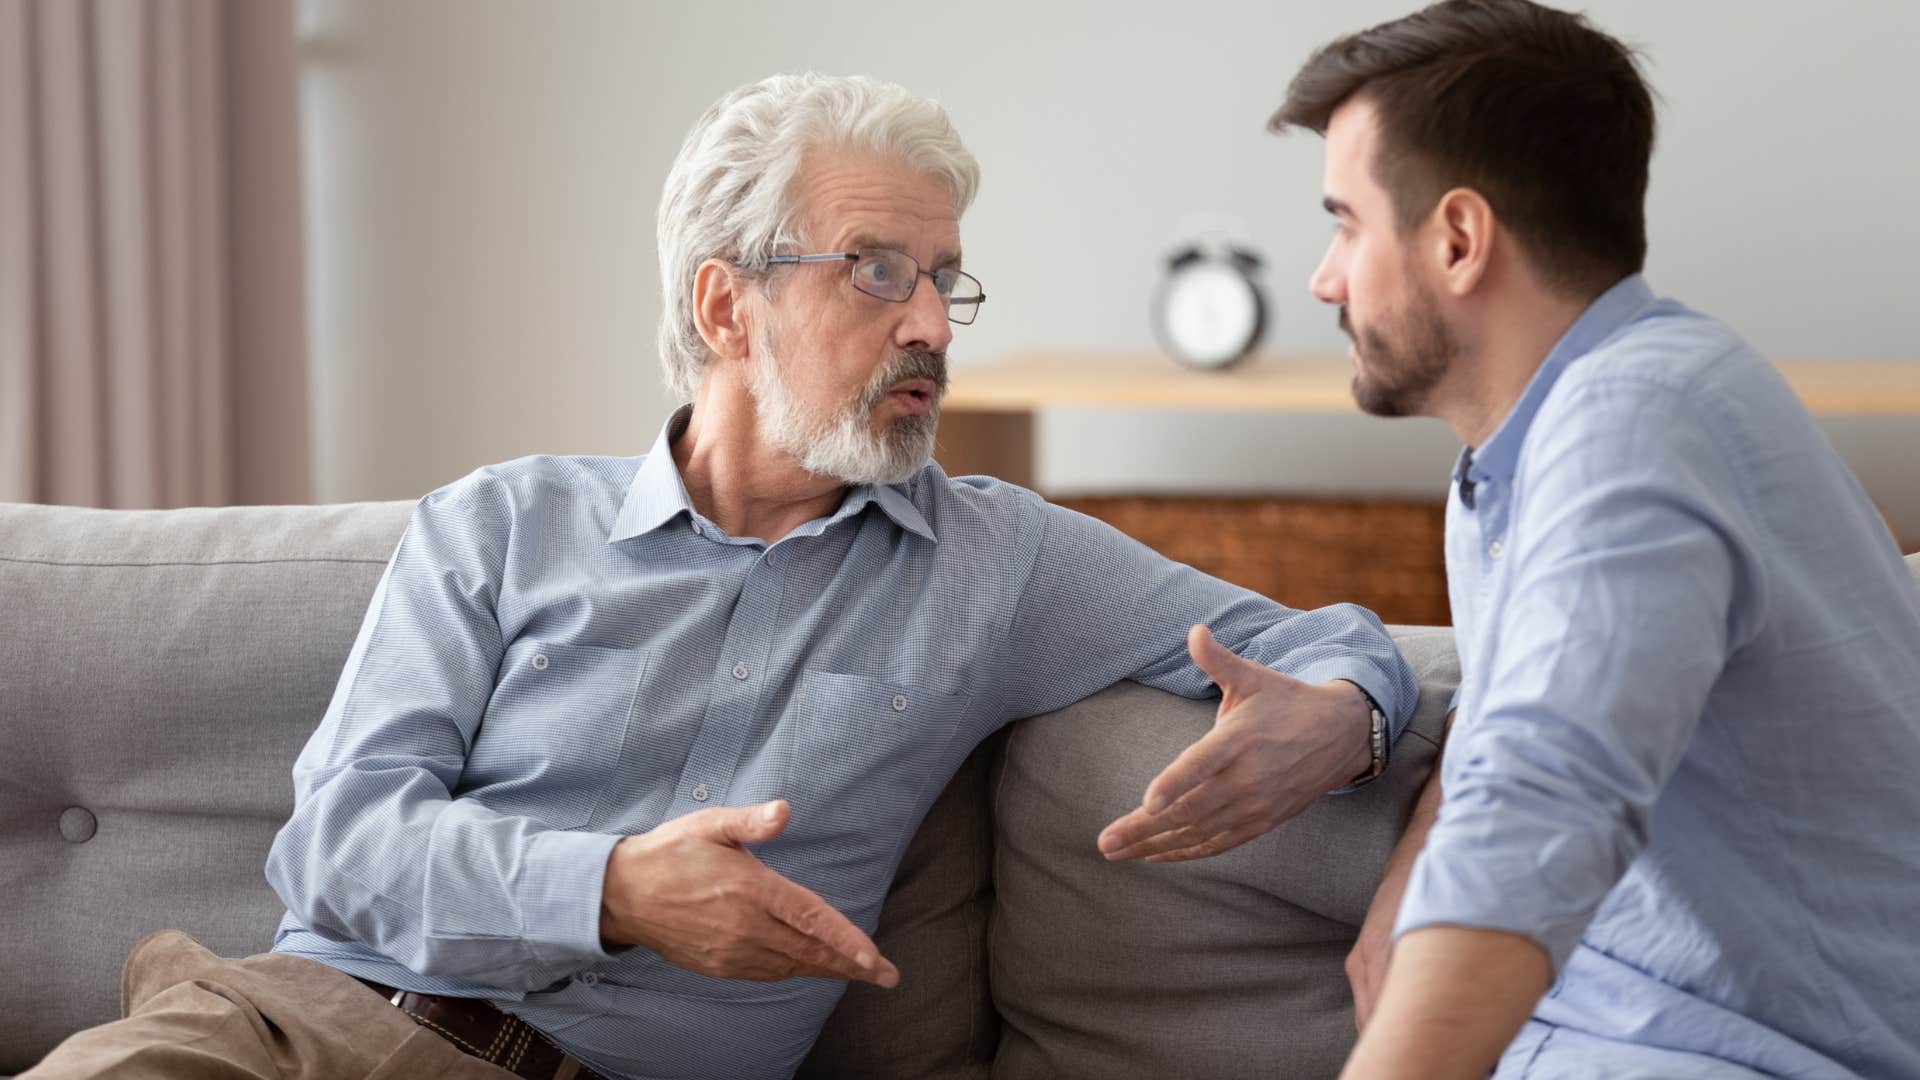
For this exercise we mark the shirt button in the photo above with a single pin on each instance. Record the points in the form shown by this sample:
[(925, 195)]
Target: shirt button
[(591, 978), (739, 671), (899, 703), (699, 793), (539, 661), (1495, 549)]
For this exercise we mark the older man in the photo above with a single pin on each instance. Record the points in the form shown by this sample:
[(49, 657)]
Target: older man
[(625, 742)]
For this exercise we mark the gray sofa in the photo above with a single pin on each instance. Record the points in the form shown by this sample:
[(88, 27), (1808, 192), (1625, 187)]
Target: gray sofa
[(161, 670)]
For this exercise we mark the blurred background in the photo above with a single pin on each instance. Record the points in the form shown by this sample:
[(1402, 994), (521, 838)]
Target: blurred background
[(333, 250)]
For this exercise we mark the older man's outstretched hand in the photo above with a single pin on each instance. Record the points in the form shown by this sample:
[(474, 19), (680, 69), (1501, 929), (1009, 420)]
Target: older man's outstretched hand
[(1277, 744), (690, 891)]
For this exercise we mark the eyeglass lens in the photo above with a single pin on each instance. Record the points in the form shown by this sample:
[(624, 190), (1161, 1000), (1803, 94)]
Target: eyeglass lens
[(893, 275)]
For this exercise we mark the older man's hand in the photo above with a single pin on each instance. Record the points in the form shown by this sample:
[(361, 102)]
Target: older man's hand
[(1277, 744), (690, 891)]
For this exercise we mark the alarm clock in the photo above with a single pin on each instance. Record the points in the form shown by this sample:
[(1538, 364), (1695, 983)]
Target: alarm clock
[(1208, 311)]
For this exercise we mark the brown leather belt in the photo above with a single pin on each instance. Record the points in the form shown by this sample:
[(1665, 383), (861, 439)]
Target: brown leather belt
[(488, 1034)]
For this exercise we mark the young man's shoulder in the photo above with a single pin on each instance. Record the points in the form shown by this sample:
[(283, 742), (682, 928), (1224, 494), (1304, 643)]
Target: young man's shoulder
[(1670, 349), (1673, 374)]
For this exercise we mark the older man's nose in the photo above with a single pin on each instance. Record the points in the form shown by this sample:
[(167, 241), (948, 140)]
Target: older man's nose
[(925, 326)]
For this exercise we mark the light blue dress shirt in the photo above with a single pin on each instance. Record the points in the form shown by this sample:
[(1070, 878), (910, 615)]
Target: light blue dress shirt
[(563, 652), (1686, 758)]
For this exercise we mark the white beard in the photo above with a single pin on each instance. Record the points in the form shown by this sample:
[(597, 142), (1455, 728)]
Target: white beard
[(842, 444)]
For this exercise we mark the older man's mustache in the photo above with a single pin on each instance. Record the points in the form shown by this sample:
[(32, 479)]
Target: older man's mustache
[(907, 365)]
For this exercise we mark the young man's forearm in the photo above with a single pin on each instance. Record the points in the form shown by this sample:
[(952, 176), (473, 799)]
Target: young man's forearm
[(1367, 962), (1454, 998)]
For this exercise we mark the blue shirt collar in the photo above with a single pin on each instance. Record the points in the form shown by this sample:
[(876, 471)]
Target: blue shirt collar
[(1496, 458), (658, 495)]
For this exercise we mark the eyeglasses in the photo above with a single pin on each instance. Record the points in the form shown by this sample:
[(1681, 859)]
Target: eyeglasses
[(893, 275)]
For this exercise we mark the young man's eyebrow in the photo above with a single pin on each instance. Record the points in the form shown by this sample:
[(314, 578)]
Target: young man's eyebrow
[(1336, 207)]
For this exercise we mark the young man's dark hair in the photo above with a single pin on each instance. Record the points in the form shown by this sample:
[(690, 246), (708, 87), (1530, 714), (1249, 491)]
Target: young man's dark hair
[(1544, 116)]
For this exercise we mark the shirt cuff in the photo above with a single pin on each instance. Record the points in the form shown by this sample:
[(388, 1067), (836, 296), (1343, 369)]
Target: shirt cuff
[(1378, 687), (1368, 677), (1489, 891), (562, 883)]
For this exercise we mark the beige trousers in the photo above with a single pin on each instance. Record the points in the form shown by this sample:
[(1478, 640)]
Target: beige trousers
[(189, 1013)]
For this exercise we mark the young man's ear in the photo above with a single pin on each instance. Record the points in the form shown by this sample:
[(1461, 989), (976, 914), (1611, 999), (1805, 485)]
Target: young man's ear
[(1462, 242), (718, 309)]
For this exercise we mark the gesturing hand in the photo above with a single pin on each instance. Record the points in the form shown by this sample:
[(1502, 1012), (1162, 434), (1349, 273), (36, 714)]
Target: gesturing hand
[(690, 891), (1277, 744)]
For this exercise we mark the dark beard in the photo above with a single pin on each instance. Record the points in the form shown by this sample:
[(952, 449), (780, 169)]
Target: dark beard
[(1396, 378)]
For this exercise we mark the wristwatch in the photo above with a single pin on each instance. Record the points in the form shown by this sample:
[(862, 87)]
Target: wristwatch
[(1377, 741)]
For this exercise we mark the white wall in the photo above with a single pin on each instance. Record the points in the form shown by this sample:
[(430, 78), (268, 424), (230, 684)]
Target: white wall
[(482, 177)]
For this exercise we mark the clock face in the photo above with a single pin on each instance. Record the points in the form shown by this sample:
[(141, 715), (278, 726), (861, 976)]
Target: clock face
[(1210, 313)]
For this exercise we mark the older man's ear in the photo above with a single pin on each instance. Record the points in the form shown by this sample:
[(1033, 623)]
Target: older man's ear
[(718, 309)]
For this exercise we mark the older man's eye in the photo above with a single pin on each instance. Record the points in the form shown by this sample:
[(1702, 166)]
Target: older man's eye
[(876, 272)]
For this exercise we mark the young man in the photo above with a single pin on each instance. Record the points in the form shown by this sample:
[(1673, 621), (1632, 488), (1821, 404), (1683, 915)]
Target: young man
[(1680, 789), (623, 741)]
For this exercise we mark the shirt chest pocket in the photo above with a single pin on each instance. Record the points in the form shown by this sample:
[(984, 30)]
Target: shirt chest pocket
[(550, 743), (866, 759)]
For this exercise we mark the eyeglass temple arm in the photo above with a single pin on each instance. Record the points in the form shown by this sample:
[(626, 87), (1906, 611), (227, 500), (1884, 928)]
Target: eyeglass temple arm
[(839, 256)]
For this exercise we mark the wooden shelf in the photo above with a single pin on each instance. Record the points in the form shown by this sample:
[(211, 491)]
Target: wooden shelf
[(1855, 387), (1130, 381), (987, 421), (1323, 384)]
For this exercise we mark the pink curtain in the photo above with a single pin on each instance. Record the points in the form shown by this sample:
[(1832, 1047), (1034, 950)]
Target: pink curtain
[(152, 336)]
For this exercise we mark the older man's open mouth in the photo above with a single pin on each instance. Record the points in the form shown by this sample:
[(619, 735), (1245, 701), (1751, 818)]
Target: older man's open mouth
[(914, 395)]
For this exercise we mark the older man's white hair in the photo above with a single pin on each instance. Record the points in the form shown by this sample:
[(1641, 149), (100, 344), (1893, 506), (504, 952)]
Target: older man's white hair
[(730, 193)]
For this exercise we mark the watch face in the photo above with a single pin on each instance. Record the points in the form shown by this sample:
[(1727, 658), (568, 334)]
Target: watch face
[(1210, 313)]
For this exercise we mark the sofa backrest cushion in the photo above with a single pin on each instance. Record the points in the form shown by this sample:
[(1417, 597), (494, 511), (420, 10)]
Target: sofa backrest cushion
[(1222, 967), (161, 671), (939, 1023)]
